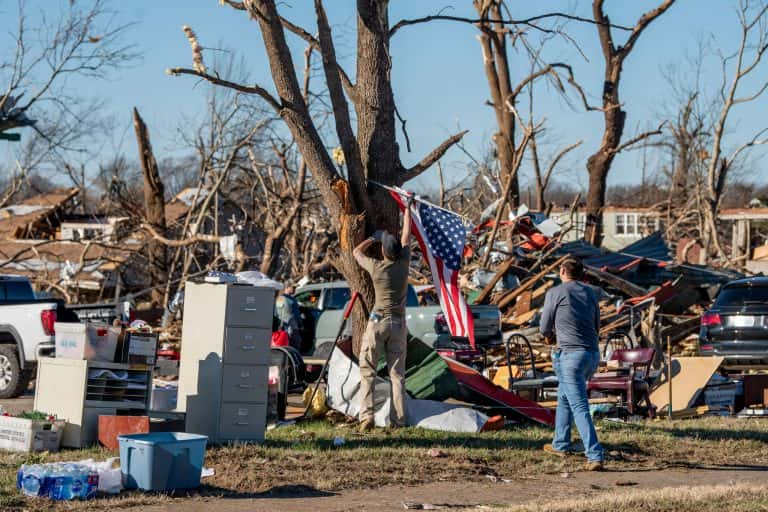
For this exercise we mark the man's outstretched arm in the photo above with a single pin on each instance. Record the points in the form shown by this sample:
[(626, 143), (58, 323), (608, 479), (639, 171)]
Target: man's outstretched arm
[(406, 234)]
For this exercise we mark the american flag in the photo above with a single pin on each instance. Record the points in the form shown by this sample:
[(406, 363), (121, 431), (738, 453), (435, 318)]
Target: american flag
[(441, 236)]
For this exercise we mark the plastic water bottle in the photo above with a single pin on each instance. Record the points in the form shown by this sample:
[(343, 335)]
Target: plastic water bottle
[(61, 482), (34, 480), (84, 482)]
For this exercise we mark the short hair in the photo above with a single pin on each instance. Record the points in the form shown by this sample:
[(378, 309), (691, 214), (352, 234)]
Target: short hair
[(573, 268), (391, 247)]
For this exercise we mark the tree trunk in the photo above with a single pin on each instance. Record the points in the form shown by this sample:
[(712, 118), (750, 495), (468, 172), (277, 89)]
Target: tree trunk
[(614, 117), (154, 206), (599, 164), (496, 64)]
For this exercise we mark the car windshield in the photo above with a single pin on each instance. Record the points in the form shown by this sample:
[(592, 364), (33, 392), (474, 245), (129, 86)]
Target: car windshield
[(735, 296), (336, 298), (308, 299)]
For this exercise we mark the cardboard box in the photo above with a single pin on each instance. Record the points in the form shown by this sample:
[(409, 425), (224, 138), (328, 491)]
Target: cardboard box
[(23, 435), (755, 386), (760, 252)]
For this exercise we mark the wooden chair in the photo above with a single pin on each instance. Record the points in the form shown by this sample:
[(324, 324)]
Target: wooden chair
[(630, 380)]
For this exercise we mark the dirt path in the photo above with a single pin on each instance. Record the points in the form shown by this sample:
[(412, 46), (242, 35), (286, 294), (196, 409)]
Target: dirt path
[(457, 495)]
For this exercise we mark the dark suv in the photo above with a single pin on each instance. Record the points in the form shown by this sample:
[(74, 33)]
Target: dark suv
[(736, 326)]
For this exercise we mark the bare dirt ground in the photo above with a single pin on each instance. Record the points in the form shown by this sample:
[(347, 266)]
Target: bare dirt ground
[(456, 495)]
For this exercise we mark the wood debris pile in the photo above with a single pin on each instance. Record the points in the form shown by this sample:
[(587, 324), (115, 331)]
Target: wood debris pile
[(646, 298)]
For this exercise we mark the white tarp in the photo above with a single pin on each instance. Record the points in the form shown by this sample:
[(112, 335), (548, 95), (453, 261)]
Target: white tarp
[(344, 396)]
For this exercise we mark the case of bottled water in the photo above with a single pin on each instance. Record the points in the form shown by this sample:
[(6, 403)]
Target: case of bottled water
[(61, 481)]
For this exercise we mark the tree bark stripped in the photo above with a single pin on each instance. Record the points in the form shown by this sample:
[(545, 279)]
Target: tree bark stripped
[(154, 206)]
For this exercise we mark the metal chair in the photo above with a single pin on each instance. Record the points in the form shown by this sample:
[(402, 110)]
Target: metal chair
[(617, 340), (518, 352)]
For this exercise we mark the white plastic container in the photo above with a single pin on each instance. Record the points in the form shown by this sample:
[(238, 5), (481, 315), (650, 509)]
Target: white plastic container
[(23, 435), (90, 341), (164, 398)]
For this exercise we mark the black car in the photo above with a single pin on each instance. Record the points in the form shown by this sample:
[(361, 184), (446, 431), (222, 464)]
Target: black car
[(736, 326)]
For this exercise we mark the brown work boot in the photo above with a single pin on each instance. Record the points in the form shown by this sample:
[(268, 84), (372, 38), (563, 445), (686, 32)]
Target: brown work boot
[(366, 425), (595, 465), (548, 448)]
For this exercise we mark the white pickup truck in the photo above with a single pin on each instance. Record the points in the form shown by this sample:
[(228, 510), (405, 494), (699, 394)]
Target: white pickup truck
[(27, 330)]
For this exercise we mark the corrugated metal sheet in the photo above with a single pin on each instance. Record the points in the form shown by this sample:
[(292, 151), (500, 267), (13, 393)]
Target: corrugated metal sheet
[(657, 267)]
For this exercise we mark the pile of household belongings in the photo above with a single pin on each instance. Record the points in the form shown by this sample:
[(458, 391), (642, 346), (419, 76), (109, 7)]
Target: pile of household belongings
[(644, 295), (431, 380)]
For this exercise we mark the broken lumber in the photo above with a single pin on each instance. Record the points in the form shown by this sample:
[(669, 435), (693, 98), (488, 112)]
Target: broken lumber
[(488, 290), (522, 319), (523, 304), (508, 298), (617, 282), (541, 290)]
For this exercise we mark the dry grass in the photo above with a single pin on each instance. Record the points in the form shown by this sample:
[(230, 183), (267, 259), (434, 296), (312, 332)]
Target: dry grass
[(302, 459), (720, 498)]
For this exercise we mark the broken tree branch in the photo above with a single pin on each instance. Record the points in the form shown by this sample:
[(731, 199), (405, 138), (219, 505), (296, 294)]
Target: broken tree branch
[(248, 89), (639, 138), (193, 239), (525, 21), (431, 158)]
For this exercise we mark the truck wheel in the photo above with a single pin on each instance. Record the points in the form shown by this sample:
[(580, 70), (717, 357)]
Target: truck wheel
[(13, 380)]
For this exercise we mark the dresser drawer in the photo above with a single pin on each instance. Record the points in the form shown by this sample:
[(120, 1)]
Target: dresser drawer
[(249, 306), (247, 345), (245, 422), (244, 383)]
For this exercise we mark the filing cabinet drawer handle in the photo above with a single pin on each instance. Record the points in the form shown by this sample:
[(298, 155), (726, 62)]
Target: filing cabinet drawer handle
[(248, 347), (242, 423), (245, 386), (250, 310)]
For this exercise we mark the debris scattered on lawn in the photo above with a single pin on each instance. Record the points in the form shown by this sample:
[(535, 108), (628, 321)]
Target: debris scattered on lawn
[(436, 453)]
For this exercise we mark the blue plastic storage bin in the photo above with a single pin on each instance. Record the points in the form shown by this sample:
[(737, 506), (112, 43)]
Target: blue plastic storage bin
[(162, 461)]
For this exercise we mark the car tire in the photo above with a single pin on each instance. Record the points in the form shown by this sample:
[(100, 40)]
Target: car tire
[(13, 380)]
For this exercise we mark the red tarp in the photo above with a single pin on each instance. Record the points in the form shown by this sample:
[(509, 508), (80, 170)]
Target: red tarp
[(475, 382)]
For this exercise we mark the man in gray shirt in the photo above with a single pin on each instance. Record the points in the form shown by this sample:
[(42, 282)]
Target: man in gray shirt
[(571, 315)]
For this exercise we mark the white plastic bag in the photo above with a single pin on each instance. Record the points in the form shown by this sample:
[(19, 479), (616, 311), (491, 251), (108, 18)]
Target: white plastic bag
[(110, 477)]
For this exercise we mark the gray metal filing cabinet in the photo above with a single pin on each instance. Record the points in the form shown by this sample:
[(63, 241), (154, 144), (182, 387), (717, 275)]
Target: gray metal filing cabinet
[(225, 358)]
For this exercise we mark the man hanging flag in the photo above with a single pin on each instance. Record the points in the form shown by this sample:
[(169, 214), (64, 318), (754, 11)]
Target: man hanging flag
[(441, 235)]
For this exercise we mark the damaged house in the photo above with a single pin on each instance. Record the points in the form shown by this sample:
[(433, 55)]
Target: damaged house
[(80, 256)]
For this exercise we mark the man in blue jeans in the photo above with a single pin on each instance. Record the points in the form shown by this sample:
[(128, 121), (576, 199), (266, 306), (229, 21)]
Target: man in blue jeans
[(571, 314)]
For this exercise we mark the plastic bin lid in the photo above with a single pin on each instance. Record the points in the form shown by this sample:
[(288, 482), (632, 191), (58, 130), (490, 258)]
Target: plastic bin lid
[(162, 437)]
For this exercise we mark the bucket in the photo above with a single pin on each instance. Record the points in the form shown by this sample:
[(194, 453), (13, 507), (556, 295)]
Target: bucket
[(162, 461)]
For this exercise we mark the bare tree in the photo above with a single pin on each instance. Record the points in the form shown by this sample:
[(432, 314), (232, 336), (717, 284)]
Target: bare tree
[(154, 205), (84, 41), (371, 152), (543, 178), (599, 164), (753, 21)]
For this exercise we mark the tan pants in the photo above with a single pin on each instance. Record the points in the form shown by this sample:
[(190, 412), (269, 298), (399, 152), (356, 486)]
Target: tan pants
[(389, 333)]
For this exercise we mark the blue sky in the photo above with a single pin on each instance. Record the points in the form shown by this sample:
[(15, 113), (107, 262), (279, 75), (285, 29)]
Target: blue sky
[(437, 71)]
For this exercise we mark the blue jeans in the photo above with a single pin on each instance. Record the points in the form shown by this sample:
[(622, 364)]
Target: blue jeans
[(573, 370)]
